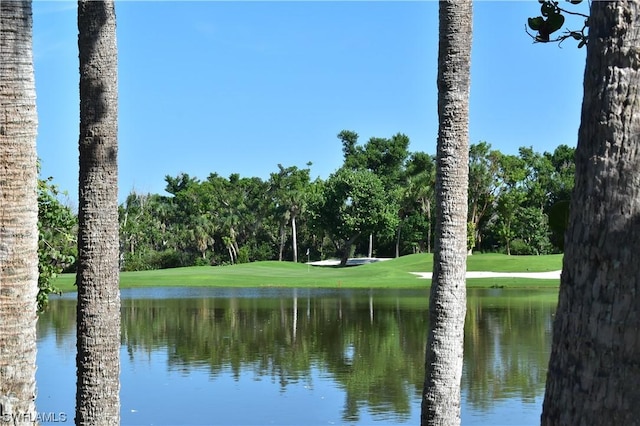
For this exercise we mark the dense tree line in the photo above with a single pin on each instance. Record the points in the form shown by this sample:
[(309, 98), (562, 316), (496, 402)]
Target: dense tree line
[(379, 202)]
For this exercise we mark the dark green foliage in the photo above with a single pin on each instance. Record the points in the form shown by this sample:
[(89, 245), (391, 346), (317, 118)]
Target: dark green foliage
[(521, 191), (558, 222), (150, 260), (382, 190), (517, 204), (552, 20), (354, 203), (57, 248)]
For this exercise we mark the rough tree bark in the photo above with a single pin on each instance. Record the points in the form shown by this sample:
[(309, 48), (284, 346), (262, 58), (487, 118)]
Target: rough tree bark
[(18, 215), (447, 303), (98, 329), (594, 368)]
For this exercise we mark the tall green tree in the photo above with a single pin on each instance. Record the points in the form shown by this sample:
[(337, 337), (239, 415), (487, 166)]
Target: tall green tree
[(417, 200), (18, 214), (98, 322), (353, 203), (484, 187), (562, 160), (562, 180), (538, 176), (353, 153), (447, 301), (386, 158), (193, 224), (289, 187), (146, 234), (511, 174), (593, 369)]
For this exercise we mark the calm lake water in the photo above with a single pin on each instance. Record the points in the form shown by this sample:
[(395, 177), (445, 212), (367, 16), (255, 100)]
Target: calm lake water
[(193, 356)]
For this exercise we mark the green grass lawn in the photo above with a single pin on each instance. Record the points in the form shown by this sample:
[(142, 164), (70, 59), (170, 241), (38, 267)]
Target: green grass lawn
[(392, 273)]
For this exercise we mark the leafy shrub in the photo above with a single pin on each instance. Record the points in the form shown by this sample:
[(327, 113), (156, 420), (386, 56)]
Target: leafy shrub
[(243, 255), (520, 247), (201, 261)]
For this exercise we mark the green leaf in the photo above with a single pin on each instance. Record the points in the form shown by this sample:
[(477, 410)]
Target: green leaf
[(536, 23), (554, 23)]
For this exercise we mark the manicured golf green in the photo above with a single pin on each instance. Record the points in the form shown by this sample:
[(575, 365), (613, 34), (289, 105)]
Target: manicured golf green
[(393, 273)]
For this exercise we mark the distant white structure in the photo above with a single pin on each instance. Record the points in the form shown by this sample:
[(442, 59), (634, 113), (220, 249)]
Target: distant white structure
[(350, 262)]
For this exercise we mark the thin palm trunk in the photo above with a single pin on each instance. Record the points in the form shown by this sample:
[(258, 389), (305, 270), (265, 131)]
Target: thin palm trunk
[(593, 370), (398, 238), (295, 238), (447, 303), (98, 323), (282, 240), (18, 215)]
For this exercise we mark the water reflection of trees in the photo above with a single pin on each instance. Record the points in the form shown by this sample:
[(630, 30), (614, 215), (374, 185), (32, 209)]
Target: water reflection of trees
[(371, 346), (507, 347), (375, 359)]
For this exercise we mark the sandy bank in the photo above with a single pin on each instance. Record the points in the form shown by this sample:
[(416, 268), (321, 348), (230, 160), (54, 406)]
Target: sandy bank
[(551, 275)]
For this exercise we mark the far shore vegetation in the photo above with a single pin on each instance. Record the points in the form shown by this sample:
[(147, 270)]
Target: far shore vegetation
[(255, 232), (394, 273)]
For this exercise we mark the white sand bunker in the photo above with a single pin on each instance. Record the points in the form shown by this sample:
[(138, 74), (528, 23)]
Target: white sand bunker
[(551, 275)]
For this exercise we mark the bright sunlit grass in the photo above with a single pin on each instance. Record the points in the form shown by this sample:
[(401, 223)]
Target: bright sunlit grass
[(393, 273)]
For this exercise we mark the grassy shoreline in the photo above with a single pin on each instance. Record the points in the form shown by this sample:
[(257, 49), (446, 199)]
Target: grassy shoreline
[(393, 273)]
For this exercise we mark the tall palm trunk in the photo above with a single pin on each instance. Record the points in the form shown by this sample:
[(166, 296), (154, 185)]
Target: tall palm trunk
[(593, 370), (294, 234), (18, 215), (398, 232), (447, 303), (98, 361), (282, 241)]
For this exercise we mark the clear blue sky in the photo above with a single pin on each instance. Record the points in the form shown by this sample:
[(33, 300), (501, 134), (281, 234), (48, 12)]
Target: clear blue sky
[(238, 87)]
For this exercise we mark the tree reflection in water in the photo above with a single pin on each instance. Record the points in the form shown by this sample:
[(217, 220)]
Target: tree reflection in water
[(370, 343)]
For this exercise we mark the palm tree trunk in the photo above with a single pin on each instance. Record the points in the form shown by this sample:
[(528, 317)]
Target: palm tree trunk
[(98, 323), (282, 237), (236, 250), (593, 370), (295, 239), (18, 215), (447, 303), (398, 238)]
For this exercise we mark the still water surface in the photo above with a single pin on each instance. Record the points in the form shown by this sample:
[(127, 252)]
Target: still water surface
[(193, 356)]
